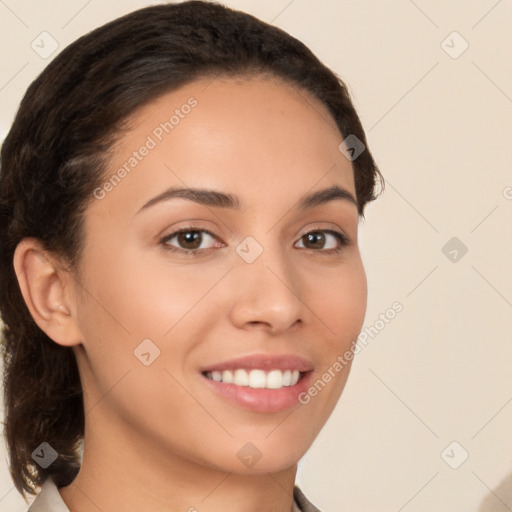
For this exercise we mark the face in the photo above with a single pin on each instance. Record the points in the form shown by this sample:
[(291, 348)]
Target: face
[(186, 297)]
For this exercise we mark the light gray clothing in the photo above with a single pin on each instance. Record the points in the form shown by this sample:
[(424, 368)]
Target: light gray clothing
[(50, 500)]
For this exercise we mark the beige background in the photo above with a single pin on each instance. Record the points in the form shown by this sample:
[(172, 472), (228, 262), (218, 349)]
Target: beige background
[(440, 129)]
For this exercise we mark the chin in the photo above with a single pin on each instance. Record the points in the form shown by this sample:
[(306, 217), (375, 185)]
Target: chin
[(268, 457)]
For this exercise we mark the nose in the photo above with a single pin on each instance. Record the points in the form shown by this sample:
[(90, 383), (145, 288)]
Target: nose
[(267, 294)]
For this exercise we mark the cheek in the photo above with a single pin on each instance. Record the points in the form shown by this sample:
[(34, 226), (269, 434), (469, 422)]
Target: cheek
[(340, 300), (143, 297), (131, 299)]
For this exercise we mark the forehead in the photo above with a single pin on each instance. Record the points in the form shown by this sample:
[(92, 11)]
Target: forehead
[(254, 136)]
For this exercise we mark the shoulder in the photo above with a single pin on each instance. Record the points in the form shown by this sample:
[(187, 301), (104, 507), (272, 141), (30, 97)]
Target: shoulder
[(304, 505), (48, 499)]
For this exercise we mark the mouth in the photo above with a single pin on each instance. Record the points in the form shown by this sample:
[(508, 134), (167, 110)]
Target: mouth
[(261, 383), (257, 378)]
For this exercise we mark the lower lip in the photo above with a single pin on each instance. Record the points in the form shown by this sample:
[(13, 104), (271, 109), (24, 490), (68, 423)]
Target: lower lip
[(261, 399)]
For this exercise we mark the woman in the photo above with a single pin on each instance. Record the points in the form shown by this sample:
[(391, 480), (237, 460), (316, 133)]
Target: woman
[(180, 195)]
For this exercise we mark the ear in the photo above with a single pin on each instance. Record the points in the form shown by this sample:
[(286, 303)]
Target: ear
[(48, 289)]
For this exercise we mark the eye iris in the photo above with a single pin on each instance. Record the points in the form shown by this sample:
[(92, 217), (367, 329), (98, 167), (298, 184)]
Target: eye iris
[(190, 237), (316, 237)]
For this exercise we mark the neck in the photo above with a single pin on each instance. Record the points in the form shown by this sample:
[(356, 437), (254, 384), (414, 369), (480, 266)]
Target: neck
[(118, 474)]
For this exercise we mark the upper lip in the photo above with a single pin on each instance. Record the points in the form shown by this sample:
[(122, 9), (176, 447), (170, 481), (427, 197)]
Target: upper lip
[(263, 362)]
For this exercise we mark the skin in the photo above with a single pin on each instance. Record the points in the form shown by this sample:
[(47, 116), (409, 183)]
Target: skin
[(156, 437)]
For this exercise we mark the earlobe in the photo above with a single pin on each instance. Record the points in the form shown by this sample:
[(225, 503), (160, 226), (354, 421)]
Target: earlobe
[(47, 289)]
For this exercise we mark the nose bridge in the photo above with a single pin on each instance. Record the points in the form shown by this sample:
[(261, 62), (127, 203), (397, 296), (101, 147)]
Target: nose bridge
[(268, 288), (263, 256)]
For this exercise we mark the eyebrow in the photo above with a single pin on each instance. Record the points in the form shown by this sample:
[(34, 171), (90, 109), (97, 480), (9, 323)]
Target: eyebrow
[(217, 199)]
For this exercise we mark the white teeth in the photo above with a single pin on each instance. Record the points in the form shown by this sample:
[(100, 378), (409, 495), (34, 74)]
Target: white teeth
[(257, 379), (274, 379), (241, 378), (227, 377)]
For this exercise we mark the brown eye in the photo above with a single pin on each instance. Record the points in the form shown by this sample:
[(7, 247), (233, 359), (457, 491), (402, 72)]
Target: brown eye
[(317, 240), (314, 240), (189, 240)]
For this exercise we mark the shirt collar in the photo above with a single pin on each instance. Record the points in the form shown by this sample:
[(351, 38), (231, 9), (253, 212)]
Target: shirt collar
[(50, 500)]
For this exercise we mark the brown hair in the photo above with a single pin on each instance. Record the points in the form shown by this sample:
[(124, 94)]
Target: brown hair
[(56, 154)]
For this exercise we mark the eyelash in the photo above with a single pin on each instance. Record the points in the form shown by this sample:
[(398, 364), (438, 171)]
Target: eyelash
[(342, 239)]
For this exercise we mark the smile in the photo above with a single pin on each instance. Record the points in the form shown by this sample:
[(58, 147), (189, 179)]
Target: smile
[(256, 378)]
